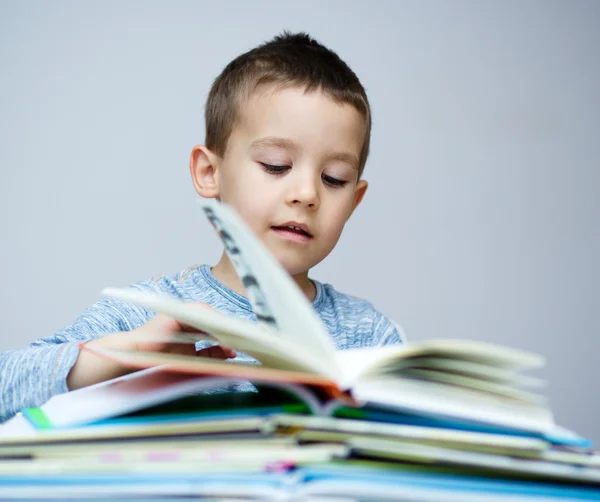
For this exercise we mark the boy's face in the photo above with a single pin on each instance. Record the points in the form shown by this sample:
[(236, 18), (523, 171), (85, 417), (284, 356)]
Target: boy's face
[(292, 161)]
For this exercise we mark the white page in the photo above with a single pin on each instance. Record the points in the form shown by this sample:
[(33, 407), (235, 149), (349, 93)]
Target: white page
[(416, 489), (123, 395), (365, 361), (480, 371), (410, 432), (115, 432), (276, 299), (430, 399), (426, 453), (230, 331), (16, 426), (470, 351)]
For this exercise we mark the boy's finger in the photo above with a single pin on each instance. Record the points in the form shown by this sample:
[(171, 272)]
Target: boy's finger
[(190, 329), (217, 352), (229, 353)]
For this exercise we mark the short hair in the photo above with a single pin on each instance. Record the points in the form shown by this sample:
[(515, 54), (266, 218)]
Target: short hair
[(288, 60)]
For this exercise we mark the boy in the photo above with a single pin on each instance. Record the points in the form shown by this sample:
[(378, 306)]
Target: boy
[(287, 137)]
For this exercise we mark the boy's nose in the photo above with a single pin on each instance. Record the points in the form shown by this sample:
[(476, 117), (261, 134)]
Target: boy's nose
[(304, 192)]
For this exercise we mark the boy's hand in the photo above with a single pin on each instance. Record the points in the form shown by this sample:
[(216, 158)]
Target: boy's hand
[(164, 325), (90, 369)]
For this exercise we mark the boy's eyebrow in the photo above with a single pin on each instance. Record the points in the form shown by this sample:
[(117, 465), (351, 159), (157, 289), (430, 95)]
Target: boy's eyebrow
[(348, 158), (273, 141), (288, 144)]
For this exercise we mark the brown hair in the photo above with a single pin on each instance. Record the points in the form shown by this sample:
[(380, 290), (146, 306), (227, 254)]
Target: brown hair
[(288, 60)]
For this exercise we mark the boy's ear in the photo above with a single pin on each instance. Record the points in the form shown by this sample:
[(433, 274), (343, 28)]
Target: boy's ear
[(203, 168), (359, 193)]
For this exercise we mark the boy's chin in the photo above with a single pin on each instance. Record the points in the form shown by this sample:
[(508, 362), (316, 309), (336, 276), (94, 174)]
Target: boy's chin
[(296, 268), (291, 266)]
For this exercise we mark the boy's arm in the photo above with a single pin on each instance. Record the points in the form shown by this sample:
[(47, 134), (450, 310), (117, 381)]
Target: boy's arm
[(387, 332), (90, 368), (30, 376)]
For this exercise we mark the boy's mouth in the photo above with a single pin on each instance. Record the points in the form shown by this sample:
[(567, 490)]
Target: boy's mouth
[(293, 231)]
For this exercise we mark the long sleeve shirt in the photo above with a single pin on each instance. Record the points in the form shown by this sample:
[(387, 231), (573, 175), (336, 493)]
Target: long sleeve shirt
[(30, 376)]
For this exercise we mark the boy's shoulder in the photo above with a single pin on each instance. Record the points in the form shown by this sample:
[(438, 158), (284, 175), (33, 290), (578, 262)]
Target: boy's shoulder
[(177, 278), (354, 321), (197, 284), (331, 298), (188, 284), (350, 320)]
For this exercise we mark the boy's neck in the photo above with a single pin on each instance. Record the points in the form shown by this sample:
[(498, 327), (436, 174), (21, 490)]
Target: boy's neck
[(225, 273)]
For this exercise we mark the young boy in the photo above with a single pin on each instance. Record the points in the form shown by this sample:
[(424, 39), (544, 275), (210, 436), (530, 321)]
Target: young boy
[(287, 137)]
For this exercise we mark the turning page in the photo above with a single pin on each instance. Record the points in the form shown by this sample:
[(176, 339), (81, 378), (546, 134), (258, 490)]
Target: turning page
[(276, 300)]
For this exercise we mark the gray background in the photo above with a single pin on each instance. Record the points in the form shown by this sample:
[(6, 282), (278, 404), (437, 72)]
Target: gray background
[(482, 217)]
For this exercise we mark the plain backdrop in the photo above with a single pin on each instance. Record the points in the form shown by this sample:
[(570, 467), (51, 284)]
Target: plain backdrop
[(482, 219)]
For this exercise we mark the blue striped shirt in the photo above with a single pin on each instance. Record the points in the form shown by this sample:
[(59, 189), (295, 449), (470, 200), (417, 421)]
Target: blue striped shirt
[(30, 376)]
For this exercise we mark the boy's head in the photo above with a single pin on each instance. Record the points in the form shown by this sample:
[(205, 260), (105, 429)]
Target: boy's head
[(287, 61), (287, 137)]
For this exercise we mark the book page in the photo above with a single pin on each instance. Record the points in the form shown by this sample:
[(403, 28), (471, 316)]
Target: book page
[(448, 403), (161, 385), (427, 454), (229, 331), (191, 365), (348, 428), (276, 300), (120, 396), (371, 360)]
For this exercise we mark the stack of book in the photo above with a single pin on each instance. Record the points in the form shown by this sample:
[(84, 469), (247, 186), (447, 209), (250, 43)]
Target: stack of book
[(449, 420)]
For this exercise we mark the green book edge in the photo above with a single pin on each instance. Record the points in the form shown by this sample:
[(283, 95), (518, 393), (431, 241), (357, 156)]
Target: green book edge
[(38, 418)]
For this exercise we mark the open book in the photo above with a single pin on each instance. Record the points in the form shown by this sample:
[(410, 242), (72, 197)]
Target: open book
[(450, 379)]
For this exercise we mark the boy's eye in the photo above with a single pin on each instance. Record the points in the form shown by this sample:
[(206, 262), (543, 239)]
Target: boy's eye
[(334, 182), (329, 180), (274, 169)]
